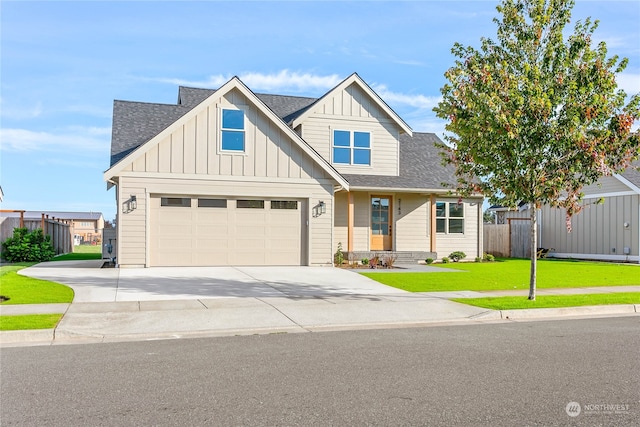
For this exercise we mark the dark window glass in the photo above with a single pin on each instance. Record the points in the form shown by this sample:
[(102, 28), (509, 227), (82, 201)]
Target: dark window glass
[(284, 204), (212, 203), (456, 210), (250, 204), (175, 201), (456, 226), (440, 225)]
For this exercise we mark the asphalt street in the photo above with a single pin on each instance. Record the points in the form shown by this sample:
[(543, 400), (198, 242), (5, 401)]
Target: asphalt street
[(551, 373)]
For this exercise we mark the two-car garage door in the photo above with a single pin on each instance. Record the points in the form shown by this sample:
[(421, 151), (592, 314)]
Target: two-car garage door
[(206, 231)]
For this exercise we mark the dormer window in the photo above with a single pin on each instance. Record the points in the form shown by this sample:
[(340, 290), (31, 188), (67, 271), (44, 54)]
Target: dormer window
[(351, 148), (232, 130)]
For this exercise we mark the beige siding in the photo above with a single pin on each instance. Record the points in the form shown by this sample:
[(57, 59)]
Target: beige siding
[(353, 110), (467, 242), (411, 222), (341, 219), (599, 229), (135, 225)]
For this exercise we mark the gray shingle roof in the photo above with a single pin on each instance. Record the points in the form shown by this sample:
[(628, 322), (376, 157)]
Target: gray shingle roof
[(420, 167), (632, 174), (135, 123)]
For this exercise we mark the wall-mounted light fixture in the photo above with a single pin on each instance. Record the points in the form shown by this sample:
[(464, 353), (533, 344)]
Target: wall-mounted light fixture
[(130, 205), (319, 209)]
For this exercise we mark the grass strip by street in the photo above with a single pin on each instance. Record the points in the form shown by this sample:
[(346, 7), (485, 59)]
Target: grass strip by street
[(552, 301), (77, 256), (512, 274), (29, 321)]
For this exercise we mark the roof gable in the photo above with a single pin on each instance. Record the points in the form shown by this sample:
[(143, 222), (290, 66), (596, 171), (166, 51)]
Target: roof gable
[(126, 155), (353, 79)]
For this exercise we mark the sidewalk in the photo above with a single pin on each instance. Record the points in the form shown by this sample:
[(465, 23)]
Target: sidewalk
[(158, 303)]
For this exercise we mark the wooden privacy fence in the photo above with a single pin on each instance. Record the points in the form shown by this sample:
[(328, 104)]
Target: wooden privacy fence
[(508, 240), (59, 230)]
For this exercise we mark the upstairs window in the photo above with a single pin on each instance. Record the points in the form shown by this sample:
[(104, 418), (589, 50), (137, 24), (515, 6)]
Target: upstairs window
[(232, 130), (351, 148), (449, 218)]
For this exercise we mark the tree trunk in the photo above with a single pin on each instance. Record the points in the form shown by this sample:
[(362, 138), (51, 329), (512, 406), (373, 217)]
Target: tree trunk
[(534, 250)]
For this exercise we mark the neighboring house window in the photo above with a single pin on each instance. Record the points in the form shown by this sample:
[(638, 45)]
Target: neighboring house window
[(232, 130), (86, 224), (351, 148), (250, 204), (175, 201), (449, 217)]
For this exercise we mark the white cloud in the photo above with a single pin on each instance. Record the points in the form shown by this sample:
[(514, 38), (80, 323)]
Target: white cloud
[(284, 80), (418, 101), (77, 138)]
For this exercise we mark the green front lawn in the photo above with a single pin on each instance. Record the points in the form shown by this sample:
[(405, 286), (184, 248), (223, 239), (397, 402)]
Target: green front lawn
[(513, 274), (552, 301)]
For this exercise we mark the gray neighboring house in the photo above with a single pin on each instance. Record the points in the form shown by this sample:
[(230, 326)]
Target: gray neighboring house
[(608, 231), (231, 177)]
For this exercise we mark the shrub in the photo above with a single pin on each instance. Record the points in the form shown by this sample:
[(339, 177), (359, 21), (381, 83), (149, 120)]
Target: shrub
[(429, 260), (338, 257), (389, 259), (26, 246), (478, 259), (457, 256), (489, 257), (365, 261), (445, 260)]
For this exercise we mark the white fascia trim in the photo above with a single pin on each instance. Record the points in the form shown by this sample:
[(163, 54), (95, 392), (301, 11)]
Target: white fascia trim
[(628, 183), (605, 195), (596, 257)]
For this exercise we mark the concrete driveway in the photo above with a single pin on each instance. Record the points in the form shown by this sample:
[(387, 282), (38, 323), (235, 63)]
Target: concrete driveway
[(94, 284)]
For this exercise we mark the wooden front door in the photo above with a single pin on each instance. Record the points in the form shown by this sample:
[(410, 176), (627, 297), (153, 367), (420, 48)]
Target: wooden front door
[(381, 223)]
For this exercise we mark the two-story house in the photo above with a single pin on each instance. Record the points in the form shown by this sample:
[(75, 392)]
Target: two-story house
[(231, 177)]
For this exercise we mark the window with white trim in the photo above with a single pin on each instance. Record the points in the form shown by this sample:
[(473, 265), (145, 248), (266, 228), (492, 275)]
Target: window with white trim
[(450, 217), (232, 130), (351, 147)]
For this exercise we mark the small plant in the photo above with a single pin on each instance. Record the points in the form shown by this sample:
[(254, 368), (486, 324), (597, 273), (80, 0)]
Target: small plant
[(338, 257), (489, 258), (365, 261), (445, 260), (429, 260), (457, 256), (374, 261), (389, 259), (26, 246), (478, 259)]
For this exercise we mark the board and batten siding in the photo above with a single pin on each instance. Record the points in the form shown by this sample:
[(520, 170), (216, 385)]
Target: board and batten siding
[(599, 229), (193, 148), (353, 110)]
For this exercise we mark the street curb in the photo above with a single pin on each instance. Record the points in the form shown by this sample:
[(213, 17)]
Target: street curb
[(27, 336), (589, 310)]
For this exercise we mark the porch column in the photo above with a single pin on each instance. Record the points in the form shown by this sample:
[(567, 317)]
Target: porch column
[(350, 222), (432, 223)]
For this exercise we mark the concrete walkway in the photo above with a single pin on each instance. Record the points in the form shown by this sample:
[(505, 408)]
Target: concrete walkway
[(157, 303)]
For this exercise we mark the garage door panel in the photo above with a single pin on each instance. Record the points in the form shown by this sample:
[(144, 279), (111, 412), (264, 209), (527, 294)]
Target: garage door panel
[(203, 236)]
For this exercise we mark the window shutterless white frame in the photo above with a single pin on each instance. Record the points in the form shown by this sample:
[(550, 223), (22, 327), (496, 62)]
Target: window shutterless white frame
[(450, 217), (232, 129), (351, 147)]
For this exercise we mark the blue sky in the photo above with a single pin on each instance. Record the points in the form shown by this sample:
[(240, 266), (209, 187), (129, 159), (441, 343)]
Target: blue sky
[(63, 63)]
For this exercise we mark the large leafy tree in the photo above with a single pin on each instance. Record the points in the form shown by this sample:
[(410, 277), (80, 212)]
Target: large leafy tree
[(533, 117)]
